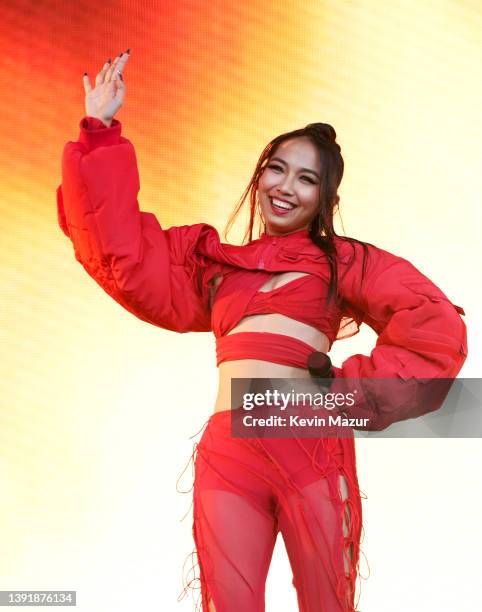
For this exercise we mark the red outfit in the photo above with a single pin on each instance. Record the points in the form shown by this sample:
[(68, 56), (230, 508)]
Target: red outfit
[(246, 490), (164, 277)]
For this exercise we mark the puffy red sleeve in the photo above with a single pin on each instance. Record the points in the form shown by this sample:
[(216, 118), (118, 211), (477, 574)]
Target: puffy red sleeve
[(421, 335), (146, 269)]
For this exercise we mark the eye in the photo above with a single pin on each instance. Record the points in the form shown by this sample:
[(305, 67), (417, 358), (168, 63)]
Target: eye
[(277, 167)]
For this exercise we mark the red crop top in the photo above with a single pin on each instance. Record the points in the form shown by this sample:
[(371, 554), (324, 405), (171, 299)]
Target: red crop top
[(240, 295)]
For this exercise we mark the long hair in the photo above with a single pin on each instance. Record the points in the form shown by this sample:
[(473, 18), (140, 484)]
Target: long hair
[(321, 229)]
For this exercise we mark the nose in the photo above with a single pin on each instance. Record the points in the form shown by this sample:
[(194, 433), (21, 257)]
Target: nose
[(285, 185)]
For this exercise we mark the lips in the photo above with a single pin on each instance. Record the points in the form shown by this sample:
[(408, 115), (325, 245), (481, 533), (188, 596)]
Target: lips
[(280, 208), (281, 205)]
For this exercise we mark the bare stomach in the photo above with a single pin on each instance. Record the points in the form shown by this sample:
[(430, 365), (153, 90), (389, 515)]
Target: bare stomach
[(255, 368)]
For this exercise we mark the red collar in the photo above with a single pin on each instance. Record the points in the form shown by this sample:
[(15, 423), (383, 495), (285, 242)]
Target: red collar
[(293, 236)]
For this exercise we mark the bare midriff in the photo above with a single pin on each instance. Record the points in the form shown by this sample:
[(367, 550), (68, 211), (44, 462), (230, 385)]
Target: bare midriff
[(255, 368)]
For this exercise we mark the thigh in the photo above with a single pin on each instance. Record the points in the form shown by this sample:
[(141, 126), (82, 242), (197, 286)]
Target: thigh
[(319, 516), (234, 526)]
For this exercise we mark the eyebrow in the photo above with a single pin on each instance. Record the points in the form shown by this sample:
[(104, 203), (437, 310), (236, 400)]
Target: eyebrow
[(301, 169)]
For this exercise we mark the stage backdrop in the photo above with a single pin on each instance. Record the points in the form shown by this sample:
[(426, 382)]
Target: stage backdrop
[(97, 406)]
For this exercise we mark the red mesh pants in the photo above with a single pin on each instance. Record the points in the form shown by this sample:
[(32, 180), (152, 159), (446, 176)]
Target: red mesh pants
[(246, 490)]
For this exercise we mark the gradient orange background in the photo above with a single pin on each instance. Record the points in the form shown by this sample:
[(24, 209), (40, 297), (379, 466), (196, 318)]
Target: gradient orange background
[(97, 406)]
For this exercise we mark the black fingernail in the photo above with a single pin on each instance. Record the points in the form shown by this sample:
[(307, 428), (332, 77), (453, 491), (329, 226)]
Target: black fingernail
[(120, 54), (85, 73), (120, 76), (128, 51), (109, 60)]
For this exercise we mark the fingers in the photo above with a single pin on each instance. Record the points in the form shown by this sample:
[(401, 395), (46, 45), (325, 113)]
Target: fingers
[(117, 65), (119, 89), (108, 71), (87, 85), (100, 77)]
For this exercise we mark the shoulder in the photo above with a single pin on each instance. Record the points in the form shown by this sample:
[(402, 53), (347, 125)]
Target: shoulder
[(355, 251), (365, 267)]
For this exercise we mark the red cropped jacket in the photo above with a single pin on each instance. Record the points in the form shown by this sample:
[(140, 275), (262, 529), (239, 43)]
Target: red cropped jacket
[(162, 276)]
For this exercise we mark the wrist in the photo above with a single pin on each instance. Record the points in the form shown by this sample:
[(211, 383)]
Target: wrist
[(93, 132), (106, 122)]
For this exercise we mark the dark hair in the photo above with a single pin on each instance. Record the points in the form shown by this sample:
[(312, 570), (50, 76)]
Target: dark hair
[(321, 230)]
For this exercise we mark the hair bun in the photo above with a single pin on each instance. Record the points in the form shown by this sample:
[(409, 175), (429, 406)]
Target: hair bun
[(324, 130)]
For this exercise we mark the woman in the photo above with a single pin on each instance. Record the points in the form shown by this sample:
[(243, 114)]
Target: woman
[(276, 305)]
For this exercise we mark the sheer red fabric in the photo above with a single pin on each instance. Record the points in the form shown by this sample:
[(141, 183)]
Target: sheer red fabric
[(247, 490)]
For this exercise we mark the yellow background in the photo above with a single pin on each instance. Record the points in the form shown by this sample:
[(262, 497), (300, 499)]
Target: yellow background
[(97, 406)]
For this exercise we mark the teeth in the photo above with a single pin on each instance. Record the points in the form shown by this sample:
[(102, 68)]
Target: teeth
[(282, 204)]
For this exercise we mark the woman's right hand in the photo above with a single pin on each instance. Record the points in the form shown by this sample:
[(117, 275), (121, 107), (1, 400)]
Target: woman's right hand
[(105, 99)]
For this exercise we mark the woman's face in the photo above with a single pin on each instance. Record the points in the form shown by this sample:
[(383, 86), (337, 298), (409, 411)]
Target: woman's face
[(292, 179)]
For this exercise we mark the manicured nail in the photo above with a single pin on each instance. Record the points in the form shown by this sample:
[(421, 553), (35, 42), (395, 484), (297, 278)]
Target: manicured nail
[(109, 61), (128, 51)]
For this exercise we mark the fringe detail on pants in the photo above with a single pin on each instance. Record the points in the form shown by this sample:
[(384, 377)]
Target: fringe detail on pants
[(337, 458)]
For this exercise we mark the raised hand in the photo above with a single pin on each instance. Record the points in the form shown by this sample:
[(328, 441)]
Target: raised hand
[(105, 99)]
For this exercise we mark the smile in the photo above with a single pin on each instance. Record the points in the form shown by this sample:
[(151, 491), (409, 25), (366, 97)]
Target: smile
[(282, 204)]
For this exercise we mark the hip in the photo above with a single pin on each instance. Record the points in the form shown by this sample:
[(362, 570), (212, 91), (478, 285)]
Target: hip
[(302, 459)]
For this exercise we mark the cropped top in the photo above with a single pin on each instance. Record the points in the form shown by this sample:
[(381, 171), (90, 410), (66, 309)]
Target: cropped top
[(165, 277), (240, 295)]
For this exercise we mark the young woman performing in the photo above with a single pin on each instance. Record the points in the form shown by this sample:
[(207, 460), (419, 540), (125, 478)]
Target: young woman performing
[(276, 305)]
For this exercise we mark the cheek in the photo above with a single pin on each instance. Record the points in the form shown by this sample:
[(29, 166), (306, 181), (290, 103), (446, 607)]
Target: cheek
[(265, 183), (312, 203)]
